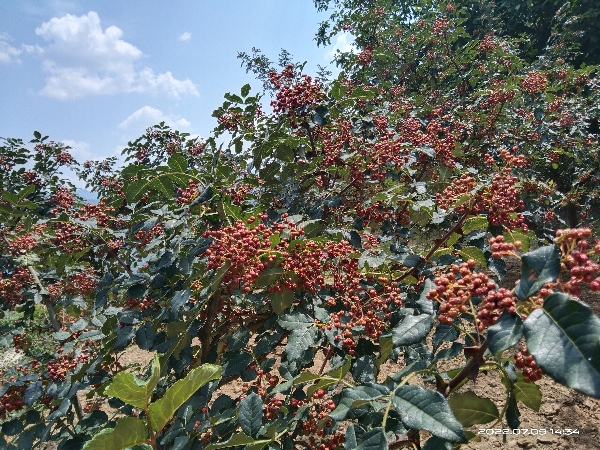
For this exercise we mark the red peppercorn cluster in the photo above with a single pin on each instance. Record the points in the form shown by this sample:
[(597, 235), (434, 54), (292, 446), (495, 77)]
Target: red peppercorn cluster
[(293, 92), (487, 44), (230, 120), (440, 26), (31, 177), (499, 199), (534, 82), (145, 237), (12, 400), (11, 289), (455, 290), (524, 362), (101, 212), (248, 250), (315, 432), (68, 237), (363, 308), (61, 366), (62, 200), (80, 284), (142, 304), (238, 193), (493, 305), (577, 253), (188, 194), (500, 247), (21, 245)]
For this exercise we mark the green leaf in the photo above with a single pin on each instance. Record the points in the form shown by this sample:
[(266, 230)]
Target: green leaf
[(299, 341), (475, 223), (30, 189), (527, 393), (435, 443), (280, 301), (423, 409), (469, 409), (236, 440), (269, 276), (505, 333), (386, 345), (295, 321), (513, 236), (250, 414), (163, 184), (235, 363), (163, 409), (221, 271), (512, 411), (412, 329), (374, 439), (564, 339), (539, 267), (135, 190), (473, 253), (338, 90), (127, 387), (10, 197), (245, 90), (444, 333), (129, 431), (178, 163)]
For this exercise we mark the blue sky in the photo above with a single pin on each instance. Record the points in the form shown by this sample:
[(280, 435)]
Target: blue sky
[(96, 74)]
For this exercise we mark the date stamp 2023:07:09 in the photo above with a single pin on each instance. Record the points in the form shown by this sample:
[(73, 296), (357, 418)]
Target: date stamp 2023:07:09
[(529, 431)]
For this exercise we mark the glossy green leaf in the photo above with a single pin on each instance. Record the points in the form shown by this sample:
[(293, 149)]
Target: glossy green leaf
[(129, 431), (299, 341), (280, 301), (473, 253), (236, 440), (163, 409), (564, 339), (470, 409), (423, 409), (177, 163), (269, 276), (250, 414), (475, 223), (412, 329), (127, 387), (539, 267), (374, 439), (528, 393), (505, 333)]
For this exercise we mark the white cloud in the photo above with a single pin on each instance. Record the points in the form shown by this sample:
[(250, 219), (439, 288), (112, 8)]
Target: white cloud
[(79, 150), (9, 54), (148, 116), (83, 59), (185, 36), (343, 43)]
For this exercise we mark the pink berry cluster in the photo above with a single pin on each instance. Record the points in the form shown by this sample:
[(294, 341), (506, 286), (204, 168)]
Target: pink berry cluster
[(499, 200), (492, 306), (455, 290), (524, 362), (294, 92), (534, 82), (500, 247), (577, 258)]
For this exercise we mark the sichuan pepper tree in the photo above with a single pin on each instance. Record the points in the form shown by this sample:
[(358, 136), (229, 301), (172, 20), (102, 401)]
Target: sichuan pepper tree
[(360, 222)]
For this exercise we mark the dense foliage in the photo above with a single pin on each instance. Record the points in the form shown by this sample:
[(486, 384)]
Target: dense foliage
[(276, 268)]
